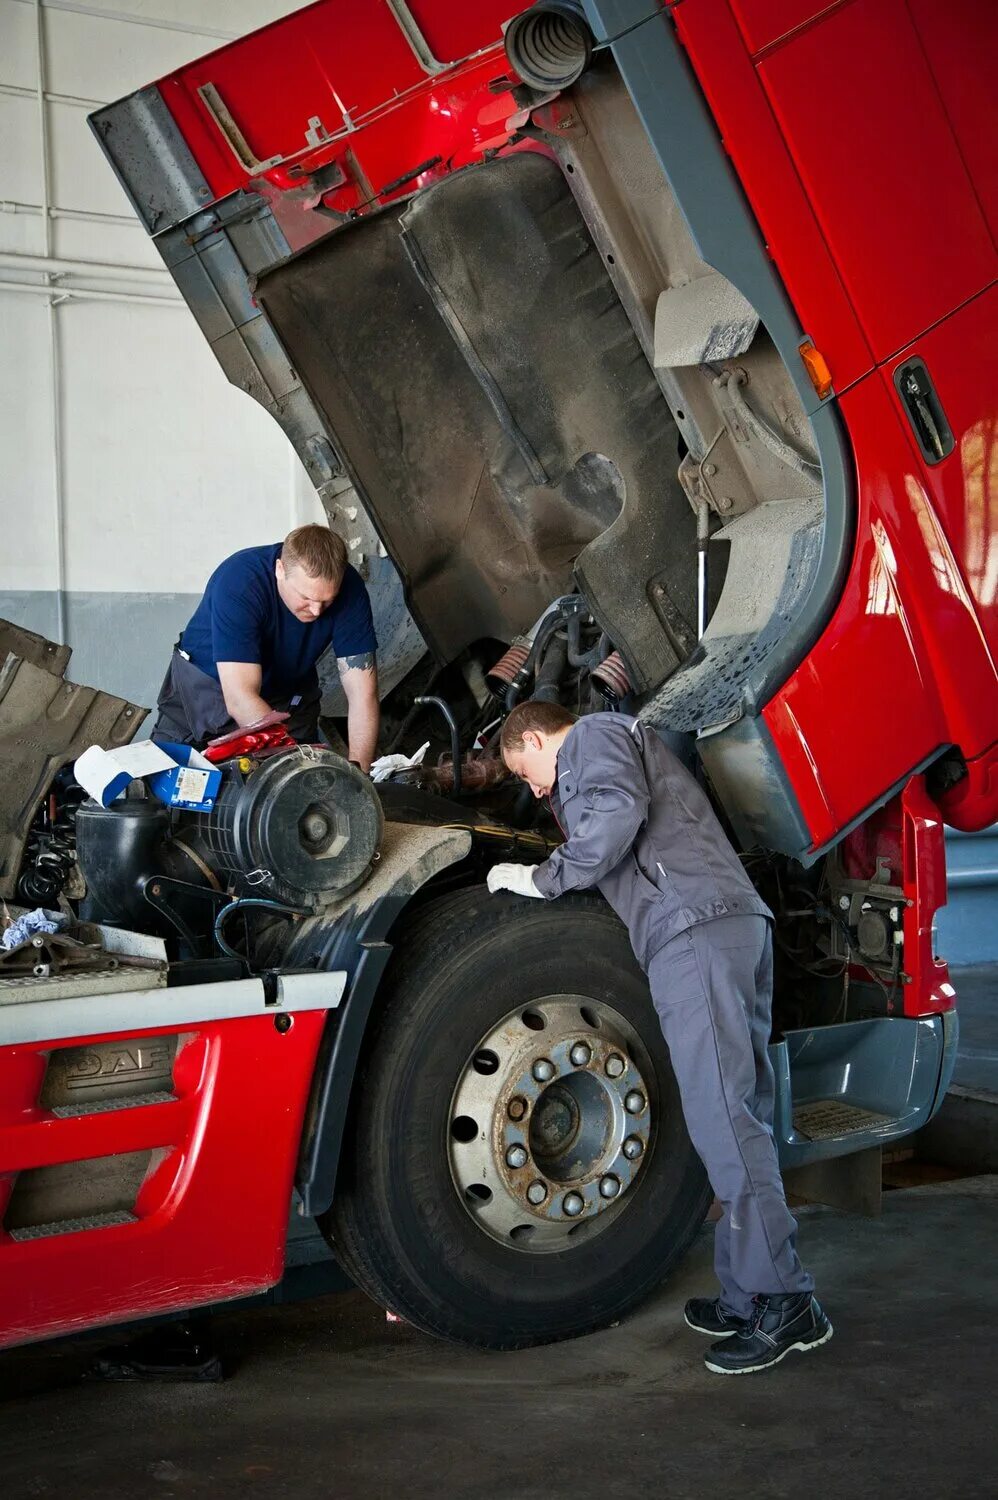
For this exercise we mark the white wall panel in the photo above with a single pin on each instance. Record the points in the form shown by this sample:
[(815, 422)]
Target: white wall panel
[(21, 234), (104, 58), (27, 502), (20, 163), (81, 177), (121, 244), (233, 17), (17, 44), (167, 467)]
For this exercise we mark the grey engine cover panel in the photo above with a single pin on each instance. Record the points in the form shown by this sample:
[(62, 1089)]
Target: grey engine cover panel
[(45, 722), (487, 393)]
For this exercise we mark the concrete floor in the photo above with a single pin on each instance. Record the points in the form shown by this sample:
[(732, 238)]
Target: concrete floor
[(327, 1400)]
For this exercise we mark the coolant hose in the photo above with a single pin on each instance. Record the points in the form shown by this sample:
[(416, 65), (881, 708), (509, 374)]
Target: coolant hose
[(550, 670)]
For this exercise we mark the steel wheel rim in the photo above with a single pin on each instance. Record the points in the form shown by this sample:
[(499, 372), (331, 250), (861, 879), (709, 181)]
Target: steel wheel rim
[(551, 1123)]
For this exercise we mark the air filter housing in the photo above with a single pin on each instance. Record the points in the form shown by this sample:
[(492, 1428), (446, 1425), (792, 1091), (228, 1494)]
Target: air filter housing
[(303, 827)]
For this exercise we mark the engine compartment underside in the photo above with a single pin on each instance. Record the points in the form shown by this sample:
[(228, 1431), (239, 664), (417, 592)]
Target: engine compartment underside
[(483, 385)]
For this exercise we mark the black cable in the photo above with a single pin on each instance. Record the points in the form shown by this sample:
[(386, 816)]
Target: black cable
[(241, 902), (660, 10), (391, 187)]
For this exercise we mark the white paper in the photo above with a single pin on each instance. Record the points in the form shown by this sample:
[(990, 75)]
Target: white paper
[(141, 758), (104, 774)]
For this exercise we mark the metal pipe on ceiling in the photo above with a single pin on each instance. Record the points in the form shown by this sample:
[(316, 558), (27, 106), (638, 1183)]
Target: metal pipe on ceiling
[(82, 215), (58, 265), (76, 293), (158, 23), (16, 91)]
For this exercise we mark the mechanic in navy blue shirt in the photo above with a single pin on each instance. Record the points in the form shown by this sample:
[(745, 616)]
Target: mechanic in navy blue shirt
[(266, 616)]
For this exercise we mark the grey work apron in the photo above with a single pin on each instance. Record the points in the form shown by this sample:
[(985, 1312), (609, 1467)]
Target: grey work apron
[(192, 707)]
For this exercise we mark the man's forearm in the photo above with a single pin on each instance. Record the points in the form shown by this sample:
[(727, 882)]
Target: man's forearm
[(359, 676), (363, 721), (246, 708)]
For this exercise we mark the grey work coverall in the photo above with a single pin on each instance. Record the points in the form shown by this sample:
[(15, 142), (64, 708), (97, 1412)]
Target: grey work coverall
[(640, 828)]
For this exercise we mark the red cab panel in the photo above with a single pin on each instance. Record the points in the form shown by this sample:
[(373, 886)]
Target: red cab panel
[(350, 86), (906, 638), (882, 168), (960, 41), (764, 22), (155, 1202), (961, 356)]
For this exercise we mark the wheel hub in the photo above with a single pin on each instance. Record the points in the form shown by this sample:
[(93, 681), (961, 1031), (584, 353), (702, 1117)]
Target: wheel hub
[(555, 1122), (551, 1122)]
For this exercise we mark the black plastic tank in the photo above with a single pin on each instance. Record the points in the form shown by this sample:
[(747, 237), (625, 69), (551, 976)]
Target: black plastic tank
[(119, 848)]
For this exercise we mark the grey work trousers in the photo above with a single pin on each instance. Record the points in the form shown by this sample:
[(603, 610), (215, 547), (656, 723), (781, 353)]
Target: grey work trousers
[(713, 990)]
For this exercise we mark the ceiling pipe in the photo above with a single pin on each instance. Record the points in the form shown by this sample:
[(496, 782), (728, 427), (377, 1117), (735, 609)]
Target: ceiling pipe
[(79, 293), (57, 265)]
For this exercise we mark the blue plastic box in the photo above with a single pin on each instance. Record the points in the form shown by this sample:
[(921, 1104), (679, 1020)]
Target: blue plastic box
[(191, 785)]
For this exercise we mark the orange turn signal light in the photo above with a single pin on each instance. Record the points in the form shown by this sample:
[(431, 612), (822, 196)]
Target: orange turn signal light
[(817, 369)]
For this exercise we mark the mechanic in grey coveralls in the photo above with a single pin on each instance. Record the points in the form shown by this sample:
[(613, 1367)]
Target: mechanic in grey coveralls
[(640, 828)]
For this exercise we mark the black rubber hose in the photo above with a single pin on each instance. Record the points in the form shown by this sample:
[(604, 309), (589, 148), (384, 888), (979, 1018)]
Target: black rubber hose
[(583, 660), (551, 670), (399, 734), (545, 630), (455, 739)]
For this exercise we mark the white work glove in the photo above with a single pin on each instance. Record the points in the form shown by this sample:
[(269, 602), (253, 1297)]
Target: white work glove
[(516, 878), (385, 765)]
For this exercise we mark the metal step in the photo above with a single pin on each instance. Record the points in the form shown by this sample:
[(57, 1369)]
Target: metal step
[(820, 1119), (72, 1226)]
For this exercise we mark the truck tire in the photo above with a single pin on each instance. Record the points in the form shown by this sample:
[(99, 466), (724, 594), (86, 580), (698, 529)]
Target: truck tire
[(516, 1167)]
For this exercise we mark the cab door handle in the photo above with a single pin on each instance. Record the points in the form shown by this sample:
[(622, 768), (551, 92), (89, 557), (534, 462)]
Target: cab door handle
[(924, 410)]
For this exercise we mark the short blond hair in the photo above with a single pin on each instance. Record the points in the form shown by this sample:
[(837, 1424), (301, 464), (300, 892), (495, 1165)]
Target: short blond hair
[(318, 551), (535, 716)]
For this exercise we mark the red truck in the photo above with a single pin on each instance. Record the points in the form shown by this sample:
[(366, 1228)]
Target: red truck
[(646, 356)]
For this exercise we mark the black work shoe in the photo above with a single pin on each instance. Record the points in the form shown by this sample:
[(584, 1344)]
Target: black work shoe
[(706, 1315), (780, 1324)]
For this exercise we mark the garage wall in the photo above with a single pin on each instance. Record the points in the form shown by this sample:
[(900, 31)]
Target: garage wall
[(968, 923), (130, 466)]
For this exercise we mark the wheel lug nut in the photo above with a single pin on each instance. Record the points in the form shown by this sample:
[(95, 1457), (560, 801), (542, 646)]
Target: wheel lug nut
[(517, 1108), (536, 1192), (615, 1065), (543, 1069), (516, 1156), (609, 1187), (633, 1148), (635, 1102), (573, 1204), (579, 1055)]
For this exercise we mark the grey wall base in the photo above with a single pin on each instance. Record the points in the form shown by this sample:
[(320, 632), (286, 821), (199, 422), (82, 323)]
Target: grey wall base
[(968, 923), (121, 642), (964, 1134)]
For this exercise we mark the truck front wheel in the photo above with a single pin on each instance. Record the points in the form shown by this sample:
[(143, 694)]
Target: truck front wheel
[(517, 1168)]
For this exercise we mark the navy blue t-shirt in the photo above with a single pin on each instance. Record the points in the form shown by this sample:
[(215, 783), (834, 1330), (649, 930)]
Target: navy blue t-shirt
[(242, 617)]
